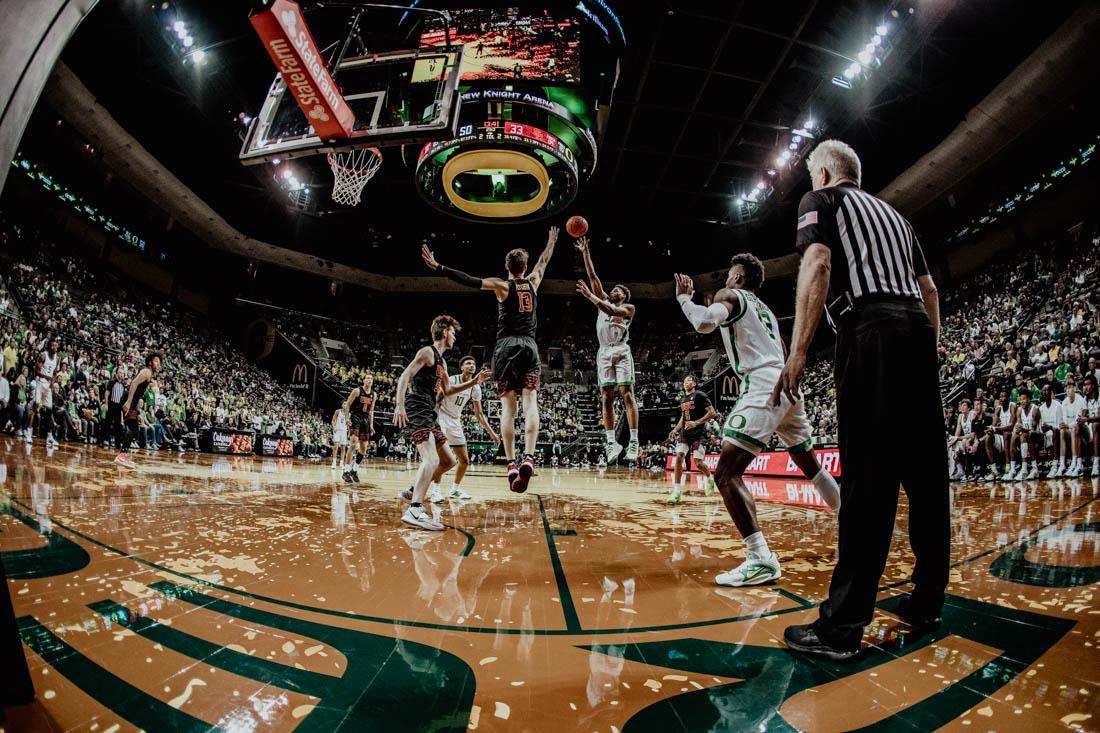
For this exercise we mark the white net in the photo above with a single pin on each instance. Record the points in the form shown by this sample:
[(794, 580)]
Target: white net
[(352, 170)]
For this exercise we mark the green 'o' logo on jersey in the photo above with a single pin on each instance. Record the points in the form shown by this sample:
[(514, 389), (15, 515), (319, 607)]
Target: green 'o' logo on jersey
[(733, 424)]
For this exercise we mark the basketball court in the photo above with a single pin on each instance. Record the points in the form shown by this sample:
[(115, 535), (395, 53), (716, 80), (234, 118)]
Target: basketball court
[(205, 593)]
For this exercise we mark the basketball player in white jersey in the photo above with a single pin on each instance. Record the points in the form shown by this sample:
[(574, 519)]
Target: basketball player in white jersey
[(1087, 427), (450, 422), (998, 438), (43, 390), (1072, 405), (1027, 436), (1050, 425), (614, 362), (339, 438), (750, 334)]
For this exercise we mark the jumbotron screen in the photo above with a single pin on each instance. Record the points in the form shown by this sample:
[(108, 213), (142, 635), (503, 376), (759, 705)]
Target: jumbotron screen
[(506, 43)]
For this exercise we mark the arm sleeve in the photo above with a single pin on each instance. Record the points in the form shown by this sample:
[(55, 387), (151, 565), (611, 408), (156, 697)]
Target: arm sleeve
[(814, 222), (704, 318), (460, 277)]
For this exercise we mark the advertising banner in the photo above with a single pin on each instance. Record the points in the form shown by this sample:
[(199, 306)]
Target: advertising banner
[(772, 463), (285, 35), (221, 440), (273, 445)]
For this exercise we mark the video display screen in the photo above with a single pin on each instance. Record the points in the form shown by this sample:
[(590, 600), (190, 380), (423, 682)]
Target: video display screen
[(505, 43)]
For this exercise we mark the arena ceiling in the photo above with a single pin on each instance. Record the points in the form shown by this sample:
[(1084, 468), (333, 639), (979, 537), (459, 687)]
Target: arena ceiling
[(709, 93)]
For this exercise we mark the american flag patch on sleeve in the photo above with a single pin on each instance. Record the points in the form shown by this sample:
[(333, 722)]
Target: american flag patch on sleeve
[(810, 217)]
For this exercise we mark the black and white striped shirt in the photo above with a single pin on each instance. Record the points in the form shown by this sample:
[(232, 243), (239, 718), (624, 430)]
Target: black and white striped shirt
[(875, 252)]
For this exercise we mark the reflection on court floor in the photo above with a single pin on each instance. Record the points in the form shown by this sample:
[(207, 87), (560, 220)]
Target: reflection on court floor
[(243, 594)]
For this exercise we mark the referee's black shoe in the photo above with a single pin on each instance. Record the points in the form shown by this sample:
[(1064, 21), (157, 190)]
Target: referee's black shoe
[(919, 622), (803, 638)]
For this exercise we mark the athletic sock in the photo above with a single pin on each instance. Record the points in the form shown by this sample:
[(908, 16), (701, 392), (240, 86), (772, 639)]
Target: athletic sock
[(756, 544), (826, 486), (416, 505), (610, 436), (634, 435)]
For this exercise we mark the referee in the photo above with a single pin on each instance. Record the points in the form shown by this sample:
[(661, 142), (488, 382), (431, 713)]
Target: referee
[(863, 257)]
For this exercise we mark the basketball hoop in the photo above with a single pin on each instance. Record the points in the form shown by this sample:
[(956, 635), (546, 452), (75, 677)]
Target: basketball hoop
[(351, 171)]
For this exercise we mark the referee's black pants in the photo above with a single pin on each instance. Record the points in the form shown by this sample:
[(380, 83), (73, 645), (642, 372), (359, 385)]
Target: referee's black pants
[(890, 422)]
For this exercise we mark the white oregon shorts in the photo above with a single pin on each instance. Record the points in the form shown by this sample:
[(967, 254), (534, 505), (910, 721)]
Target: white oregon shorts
[(452, 430), (339, 437), (615, 365), (752, 421), (999, 442), (43, 395), (1048, 438)]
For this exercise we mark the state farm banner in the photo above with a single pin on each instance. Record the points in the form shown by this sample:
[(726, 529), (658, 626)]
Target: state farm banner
[(285, 35), (773, 463)]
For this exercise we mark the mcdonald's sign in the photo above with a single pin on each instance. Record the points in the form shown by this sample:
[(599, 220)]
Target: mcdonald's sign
[(728, 387), (300, 374)]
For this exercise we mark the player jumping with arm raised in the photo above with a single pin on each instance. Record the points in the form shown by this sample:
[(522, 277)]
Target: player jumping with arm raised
[(614, 362), (516, 356)]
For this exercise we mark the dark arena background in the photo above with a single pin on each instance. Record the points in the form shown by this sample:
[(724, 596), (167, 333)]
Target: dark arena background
[(229, 416)]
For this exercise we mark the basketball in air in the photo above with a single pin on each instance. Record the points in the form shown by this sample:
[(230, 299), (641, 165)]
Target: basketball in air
[(576, 226)]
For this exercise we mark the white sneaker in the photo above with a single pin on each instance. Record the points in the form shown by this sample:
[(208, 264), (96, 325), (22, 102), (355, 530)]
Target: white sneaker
[(1021, 474), (51, 441), (459, 495), (675, 497), (612, 451), (28, 435), (754, 571), (1055, 472), (632, 450), (437, 494), (1033, 473), (417, 517), (1074, 471), (711, 488)]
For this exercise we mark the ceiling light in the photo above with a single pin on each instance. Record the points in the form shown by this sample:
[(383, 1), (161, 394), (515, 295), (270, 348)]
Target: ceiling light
[(771, 171), (760, 185), (869, 48), (809, 124), (793, 146), (199, 57), (848, 73), (876, 40), (796, 139), (864, 58), (882, 30), (785, 156), (781, 160), (287, 173), (178, 26)]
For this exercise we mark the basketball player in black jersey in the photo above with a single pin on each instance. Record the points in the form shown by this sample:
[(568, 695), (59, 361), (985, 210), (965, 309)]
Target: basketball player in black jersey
[(516, 355), (425, 380), (359, 409), (136, 393)]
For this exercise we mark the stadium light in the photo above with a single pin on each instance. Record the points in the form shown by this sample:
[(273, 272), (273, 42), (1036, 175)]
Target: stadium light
[(876, 40), (200, 56), (287, 173), (178, 26), (864, 58), (188, 42), (809, 124)]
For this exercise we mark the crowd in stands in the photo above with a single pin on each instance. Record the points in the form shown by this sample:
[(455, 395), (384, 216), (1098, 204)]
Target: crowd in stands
[(1034, 330), (1019, 325), (103, 332)]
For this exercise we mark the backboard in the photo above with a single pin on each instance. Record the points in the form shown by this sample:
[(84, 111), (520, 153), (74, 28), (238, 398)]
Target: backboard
[(398, 98)]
